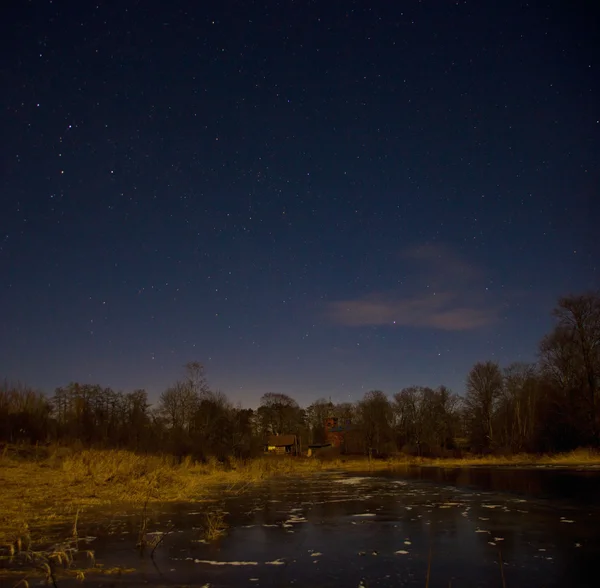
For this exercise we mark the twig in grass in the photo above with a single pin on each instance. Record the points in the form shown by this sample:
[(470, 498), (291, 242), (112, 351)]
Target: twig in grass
[(143, 527), (162, 538), (429, 565), (75, 533), (49, 574), (501, 568)]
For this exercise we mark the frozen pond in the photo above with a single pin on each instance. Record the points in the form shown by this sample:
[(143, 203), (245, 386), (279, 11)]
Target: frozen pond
[(339, 530)]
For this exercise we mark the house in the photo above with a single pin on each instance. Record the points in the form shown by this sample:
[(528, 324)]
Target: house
[(335, 432), (282, 445), (342, 434)]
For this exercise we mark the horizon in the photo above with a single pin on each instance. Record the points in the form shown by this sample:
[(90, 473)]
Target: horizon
[(154, 393)]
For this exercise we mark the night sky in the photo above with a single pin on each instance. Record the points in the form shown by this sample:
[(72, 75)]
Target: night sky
[(313, 198)]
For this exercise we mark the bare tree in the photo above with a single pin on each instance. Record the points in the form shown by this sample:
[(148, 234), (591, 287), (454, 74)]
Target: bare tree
[(518, 407), (316, 413), (196, 378), (484, 387), (376, 418), (178, 405), (571, 354)]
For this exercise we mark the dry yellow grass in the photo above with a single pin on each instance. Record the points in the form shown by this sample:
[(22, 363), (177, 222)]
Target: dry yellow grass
[(579, 457), (39, 497)]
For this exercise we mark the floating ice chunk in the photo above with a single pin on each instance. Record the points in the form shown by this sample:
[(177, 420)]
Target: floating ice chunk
[(490, 505), (478, 530), (352, 481), (365, 514), (225, 563), (275, 562), (498, 538), (295, 519), (563, 520), (316, 554), (407, 543), (401, 552)]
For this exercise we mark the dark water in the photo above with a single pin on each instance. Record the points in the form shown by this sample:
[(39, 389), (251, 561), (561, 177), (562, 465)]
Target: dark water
[(336, 530)]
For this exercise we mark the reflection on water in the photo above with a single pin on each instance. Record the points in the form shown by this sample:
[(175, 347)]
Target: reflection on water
[(336, 530), (558, 484)]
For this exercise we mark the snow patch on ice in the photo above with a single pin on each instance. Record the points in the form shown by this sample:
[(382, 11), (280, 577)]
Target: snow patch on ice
[(352, 481), (226, 563)]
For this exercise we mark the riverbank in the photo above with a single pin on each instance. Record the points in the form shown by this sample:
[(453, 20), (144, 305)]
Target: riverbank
[(43, 491), (39, 495), (580, 458)]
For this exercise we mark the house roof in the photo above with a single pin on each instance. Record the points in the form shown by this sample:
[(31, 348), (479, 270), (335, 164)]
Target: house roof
[(281, 440)]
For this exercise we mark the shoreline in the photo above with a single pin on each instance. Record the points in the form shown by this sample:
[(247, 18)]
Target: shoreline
[(40, 496)]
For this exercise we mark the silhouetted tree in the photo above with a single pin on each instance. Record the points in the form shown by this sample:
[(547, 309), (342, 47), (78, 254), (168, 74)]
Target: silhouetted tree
[(570, 358), (376, 418), (316, 414), (279, 414), (484, 387)]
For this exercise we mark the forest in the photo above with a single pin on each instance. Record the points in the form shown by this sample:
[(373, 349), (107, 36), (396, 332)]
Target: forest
[(547, 406)]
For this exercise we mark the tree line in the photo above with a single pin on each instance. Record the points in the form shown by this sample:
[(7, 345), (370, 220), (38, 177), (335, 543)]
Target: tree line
[(547, 406)]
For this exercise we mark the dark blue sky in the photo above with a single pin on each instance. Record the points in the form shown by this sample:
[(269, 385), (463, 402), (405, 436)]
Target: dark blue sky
[(314, 198)]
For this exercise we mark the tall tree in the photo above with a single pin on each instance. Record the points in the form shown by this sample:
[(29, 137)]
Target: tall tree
[(570, 355), (316, 414), (279, 414), (518, 407), (484, 387), (376, 418), (178, 405)]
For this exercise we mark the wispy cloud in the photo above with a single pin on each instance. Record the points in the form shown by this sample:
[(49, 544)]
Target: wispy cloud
[(445, 292)]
